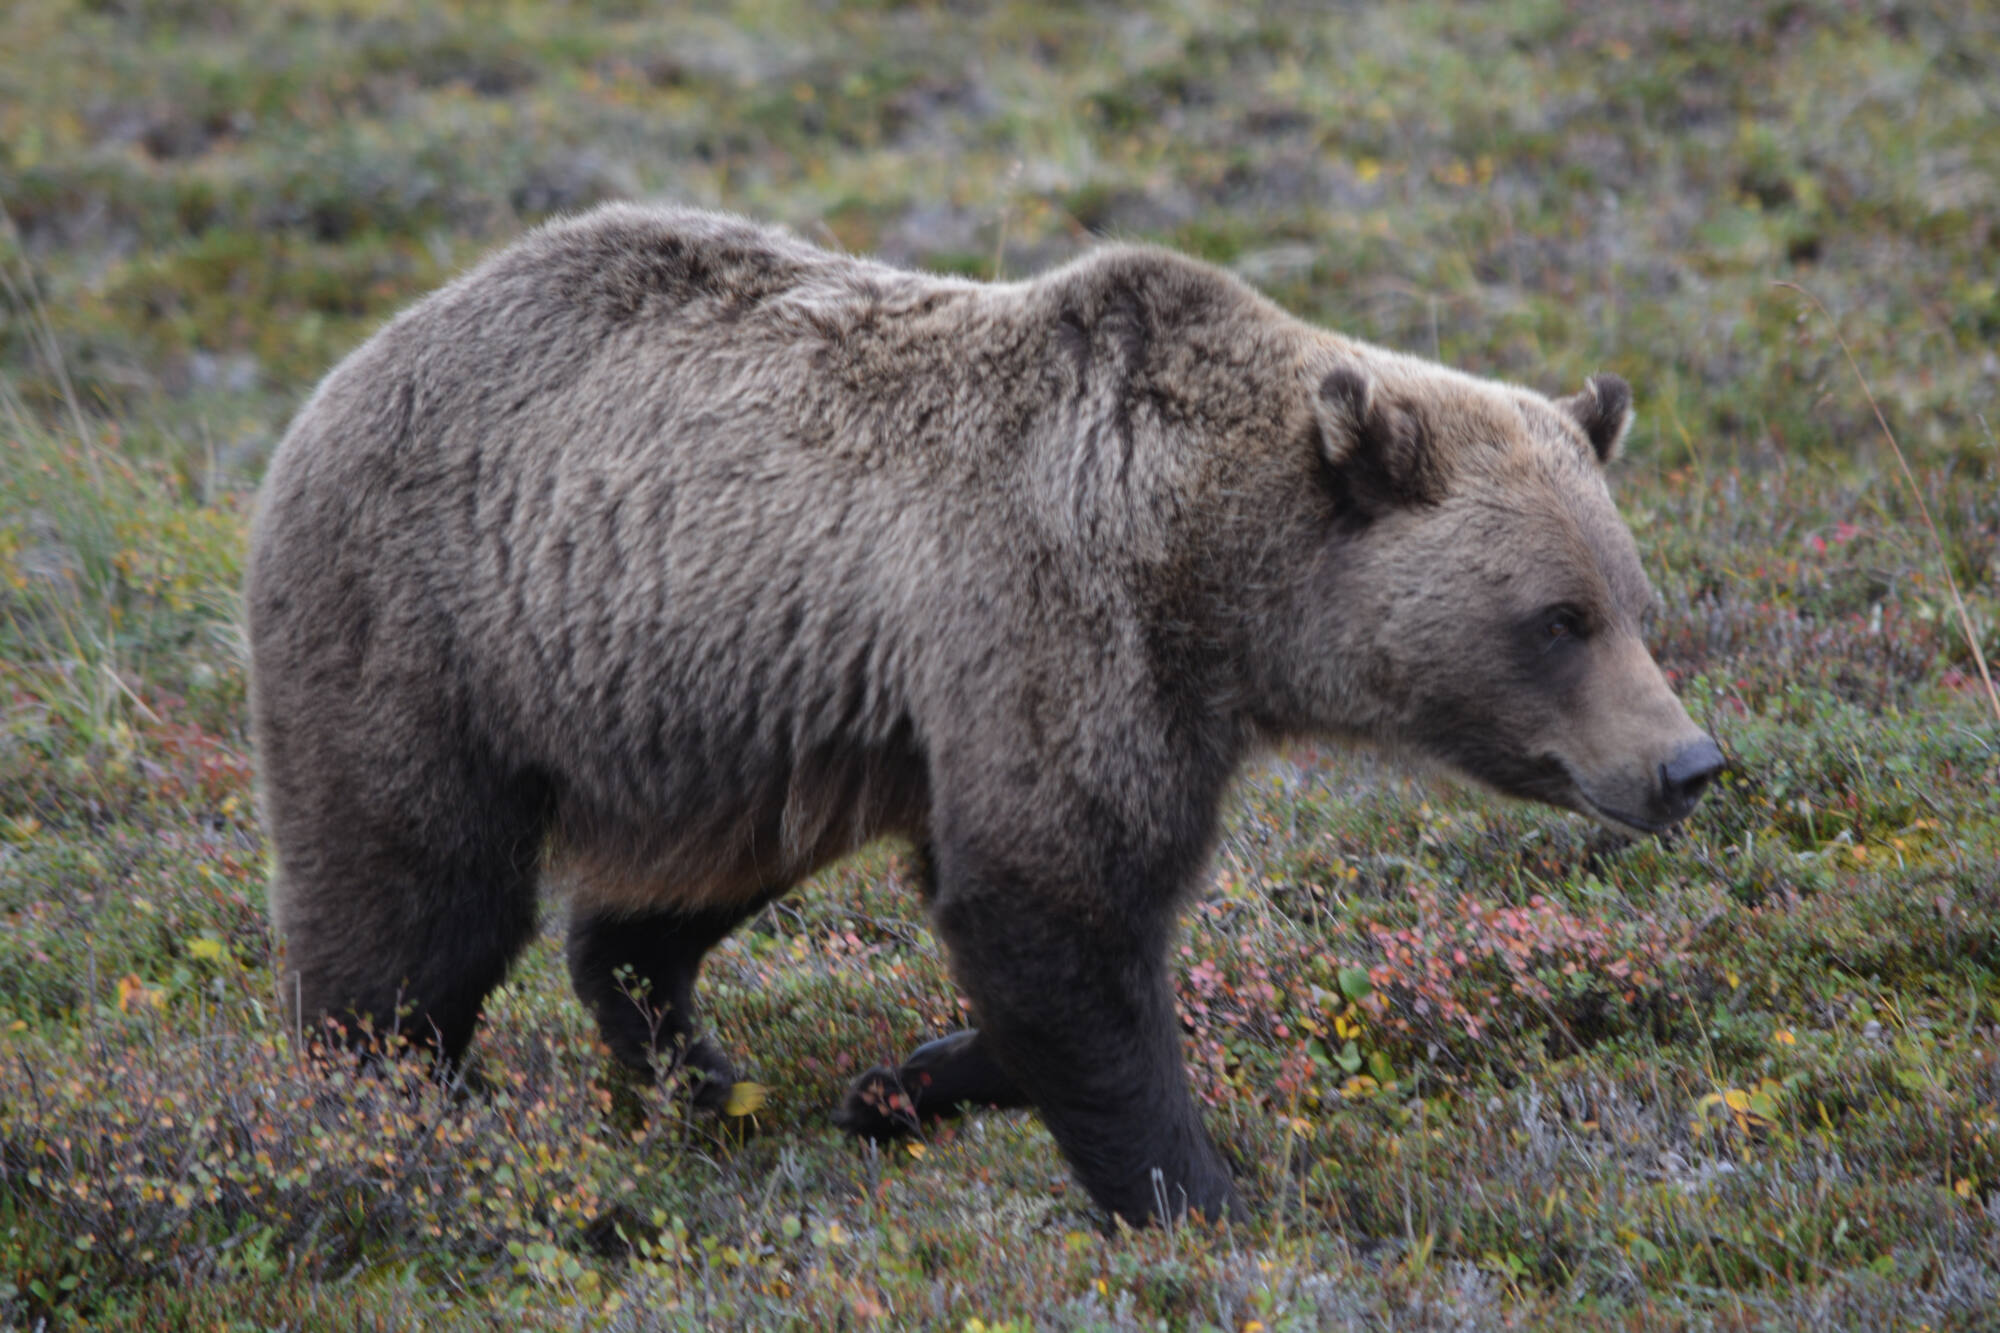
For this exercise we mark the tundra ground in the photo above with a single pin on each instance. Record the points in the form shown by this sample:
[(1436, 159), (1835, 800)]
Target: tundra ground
[(1481, 1065)]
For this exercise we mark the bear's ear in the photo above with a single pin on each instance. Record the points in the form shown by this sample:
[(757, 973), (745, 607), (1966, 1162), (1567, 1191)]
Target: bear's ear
[(1377, 453), (1604, 410)]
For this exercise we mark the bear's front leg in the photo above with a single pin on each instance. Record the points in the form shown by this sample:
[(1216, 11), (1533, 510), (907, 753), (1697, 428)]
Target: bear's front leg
[(1075, 1000)]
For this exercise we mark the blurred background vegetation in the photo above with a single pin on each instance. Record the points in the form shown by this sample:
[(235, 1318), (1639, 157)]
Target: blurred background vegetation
[(1479, 1064), (222, 198)]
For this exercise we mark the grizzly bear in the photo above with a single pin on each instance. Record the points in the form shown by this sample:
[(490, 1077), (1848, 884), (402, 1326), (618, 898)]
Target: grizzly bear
[(668, 557)]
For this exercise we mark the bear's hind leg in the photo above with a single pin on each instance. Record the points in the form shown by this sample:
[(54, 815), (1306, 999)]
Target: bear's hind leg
[(637, 974), (397, 926)]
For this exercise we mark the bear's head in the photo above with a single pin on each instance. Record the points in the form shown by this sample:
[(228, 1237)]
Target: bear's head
[(1476, 597)]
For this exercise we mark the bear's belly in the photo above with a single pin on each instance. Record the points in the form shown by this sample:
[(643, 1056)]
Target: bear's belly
[(734, 852)]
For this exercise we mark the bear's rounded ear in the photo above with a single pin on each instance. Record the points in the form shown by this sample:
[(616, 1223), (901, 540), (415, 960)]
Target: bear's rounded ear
[(1377, 452), (1604, 410)]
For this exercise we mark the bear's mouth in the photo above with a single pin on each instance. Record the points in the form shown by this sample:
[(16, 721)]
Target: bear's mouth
[(1622, 821), (1613, 817), (1550, 780)]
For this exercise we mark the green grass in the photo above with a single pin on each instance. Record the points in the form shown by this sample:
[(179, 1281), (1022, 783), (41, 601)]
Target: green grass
[(1480, 1064)]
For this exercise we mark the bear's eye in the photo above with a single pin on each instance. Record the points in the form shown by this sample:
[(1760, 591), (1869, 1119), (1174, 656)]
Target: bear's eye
[(1562, 624)]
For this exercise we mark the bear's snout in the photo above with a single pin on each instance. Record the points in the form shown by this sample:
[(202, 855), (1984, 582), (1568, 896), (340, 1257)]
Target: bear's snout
[(1686, 776)]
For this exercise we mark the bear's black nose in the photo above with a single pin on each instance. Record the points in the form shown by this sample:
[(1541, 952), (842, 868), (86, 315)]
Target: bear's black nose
[(1686, 776)]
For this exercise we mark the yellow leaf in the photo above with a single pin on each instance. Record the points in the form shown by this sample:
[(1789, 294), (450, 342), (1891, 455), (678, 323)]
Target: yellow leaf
[(132, 991), (1736, 1099), (1784, 1037), (745, 1098), (206, 949), (915, 1149)]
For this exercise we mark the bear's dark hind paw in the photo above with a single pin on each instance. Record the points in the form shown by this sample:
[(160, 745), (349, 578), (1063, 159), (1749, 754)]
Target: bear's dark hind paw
[(877, 1108), (707, 1075)]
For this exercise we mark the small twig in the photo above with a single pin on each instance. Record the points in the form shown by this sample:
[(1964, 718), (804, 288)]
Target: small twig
[(1909, 479), (1006, 215), (1161, 1200), (126, 690)]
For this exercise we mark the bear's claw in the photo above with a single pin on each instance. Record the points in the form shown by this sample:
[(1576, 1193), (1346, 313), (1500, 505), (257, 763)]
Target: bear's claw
[(877, 1108)]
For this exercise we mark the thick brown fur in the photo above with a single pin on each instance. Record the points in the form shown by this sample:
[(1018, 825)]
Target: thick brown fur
[(668, 557)]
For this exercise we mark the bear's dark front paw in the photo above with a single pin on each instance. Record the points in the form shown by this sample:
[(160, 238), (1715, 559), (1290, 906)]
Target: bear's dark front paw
[(877, 1108)]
